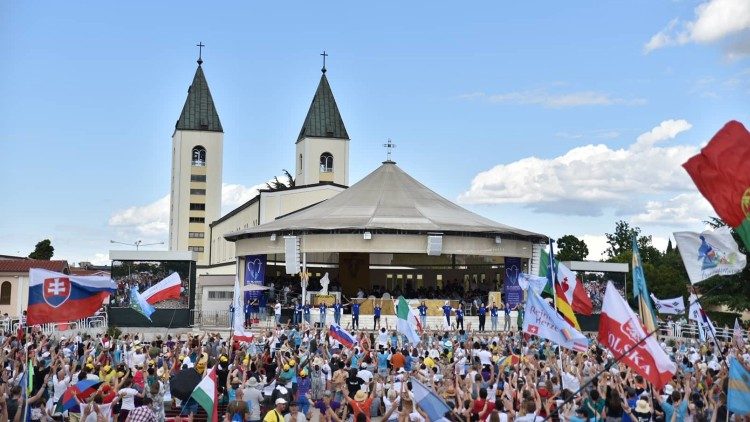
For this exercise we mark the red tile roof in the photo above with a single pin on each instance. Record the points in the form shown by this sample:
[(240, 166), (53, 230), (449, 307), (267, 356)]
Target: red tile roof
[(23, 265), (84, 271)]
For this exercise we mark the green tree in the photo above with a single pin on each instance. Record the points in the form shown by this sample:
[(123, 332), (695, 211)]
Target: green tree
[(277, 184), (621, 240), (732, 291), (571, 248), (43, 250)]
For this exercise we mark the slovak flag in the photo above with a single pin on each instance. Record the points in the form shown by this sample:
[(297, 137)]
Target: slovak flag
[(342, 336), (620, 331), (58, 297)]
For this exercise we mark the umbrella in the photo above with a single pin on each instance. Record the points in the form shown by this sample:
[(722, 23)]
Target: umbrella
[(254, 287), (68, 399), (182, 385)]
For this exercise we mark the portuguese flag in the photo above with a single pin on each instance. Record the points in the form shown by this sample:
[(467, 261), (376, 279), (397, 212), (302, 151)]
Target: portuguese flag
[(721, 171)]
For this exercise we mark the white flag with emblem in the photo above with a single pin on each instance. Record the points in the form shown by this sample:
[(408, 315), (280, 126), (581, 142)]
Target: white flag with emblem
[(709, 253)]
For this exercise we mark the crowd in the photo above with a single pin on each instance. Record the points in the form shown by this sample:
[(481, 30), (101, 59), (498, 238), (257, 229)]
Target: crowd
[(295, 372)]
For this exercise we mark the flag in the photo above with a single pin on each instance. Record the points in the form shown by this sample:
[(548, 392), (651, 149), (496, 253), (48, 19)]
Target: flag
[(405, 324), (674, 306), (30, 378), (561, 302), (640, 291), (169, 288), (533, 282), (545, 271), (430, 403), (709, 253), (58, 297), (239, 332), (572, 288), (738, 396), (737, 334), (542, 321), (68, 400), (706, 329), (342, 336), (722, 175), (205, 394), (139, 304), (620, 331)]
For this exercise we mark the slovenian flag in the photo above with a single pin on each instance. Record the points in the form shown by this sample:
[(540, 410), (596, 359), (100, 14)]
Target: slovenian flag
[(722, 175), (169, 288), (58, 297), (342, 336)]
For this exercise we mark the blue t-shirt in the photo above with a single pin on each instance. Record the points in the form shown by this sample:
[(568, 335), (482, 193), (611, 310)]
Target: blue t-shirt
[(447, 310), (322, 308), (382, 360), (307, 309), (407, 363), (337, 308), (493, 311), (298, 309), (482, 310), (377, 311), (355, 309), (459, 313), (669, 410), (248, 308), (422, 310), (506, 309)]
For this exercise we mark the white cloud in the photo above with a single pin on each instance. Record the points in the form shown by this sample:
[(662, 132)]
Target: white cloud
[(714, 20), (151, 221), (98, 259), (679, 211), (590, 178), (554, 100)]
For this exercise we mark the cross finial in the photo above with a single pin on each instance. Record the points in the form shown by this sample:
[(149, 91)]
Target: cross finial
[(324, 61), (200, 46), (389, 148)]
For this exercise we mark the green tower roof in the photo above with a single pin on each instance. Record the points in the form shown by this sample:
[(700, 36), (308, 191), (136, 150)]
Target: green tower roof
[(199, 111), (323, 119)]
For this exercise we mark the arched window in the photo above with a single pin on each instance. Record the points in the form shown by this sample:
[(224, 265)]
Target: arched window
[(300, 164), (199, 156), (326, 162), (5, 293)]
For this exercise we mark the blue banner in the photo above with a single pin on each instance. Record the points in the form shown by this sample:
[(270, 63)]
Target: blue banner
[(255, 273), (513, 292)]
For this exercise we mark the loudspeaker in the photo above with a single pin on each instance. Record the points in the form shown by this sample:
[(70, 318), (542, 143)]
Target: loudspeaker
[(434, 245)]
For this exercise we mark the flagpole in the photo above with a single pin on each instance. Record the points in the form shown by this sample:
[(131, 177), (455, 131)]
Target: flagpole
[(553, 273)]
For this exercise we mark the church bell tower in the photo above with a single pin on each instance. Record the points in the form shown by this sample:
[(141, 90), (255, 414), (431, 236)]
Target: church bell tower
[(322, 150), (197, 157)]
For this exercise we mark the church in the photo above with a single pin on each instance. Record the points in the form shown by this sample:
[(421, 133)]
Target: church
[(386, 233)]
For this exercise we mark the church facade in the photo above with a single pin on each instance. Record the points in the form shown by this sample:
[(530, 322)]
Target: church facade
[(196, 223)]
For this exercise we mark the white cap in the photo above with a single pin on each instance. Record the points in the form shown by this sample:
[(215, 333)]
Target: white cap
[(280, 401)]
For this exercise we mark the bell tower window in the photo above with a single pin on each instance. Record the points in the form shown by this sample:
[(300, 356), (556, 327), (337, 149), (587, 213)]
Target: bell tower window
[(326, 162), (199, 156)]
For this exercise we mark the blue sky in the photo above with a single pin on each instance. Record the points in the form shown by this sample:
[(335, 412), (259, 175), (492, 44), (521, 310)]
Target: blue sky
[(468, 93)]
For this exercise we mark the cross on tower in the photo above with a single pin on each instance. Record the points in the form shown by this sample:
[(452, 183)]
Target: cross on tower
[(389, 147), (200, 46), (324, 61)]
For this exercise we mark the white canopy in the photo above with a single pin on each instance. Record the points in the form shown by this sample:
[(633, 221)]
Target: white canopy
[(387, 199)]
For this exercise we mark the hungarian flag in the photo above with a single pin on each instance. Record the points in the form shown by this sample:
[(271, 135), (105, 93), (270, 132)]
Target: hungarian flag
[(169, 288), (721, 171), (621, 332), (406, 322), (205, 394)]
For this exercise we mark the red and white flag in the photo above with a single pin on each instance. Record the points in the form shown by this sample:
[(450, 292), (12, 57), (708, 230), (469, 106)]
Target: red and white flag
[(169, 288), (620, 330), (570, 288)]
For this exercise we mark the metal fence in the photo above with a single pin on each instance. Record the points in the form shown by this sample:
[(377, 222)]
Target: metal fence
[(690, 331), (92, 323)]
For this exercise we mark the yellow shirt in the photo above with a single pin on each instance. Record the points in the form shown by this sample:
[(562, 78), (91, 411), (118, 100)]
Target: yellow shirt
[(429, 362), (273, 416)]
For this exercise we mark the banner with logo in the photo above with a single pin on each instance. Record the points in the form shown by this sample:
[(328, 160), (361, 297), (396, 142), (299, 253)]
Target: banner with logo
[(513, 292), (255, 273), (709, 253), (543, 321)]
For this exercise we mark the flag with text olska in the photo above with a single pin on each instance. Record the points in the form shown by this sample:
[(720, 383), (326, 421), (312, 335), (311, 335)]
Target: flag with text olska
[(620, 331), (540, 319), (58, 297)]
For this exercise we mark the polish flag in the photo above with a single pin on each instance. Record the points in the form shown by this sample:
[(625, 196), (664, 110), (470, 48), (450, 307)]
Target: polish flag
[(169, 288), (620, 330), (570, 288)]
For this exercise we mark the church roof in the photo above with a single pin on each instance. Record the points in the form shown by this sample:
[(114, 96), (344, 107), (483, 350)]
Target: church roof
[(388, 199), (199, 111), (323, 118)]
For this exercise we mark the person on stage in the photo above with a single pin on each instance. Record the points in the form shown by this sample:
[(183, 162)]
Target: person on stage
[(506, 313), (337, 309), (482, 313), (323, 310), (447, 309), (423, 314), (460, 316), (376, 315), (493, 316)]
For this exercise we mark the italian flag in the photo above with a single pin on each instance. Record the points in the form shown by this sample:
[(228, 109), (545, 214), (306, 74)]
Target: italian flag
[(407, 321), (722, 174), (205, 394)]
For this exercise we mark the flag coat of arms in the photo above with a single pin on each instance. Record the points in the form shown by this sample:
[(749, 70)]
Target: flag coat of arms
[(722, 175), (540, 319), (58, 297), (620, 330), (709, 253)]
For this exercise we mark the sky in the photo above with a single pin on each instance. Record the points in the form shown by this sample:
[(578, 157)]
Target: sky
[(556, 120)]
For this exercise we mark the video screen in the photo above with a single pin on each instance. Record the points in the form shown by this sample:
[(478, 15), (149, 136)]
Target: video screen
[(145, 274)]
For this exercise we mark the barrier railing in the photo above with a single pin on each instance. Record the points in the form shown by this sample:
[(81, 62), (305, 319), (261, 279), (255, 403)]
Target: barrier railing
[(691, 331), (95, 322)]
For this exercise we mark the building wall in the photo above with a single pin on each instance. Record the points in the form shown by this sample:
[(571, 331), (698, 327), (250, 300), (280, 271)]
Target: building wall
[(308, 168), (216, 304), (19, 294), (183, 142), (278, 203), (221, 250)]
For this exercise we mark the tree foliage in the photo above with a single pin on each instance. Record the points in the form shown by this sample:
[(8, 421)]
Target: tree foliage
[(277, 184), (571, 248), (621, 240), (43, 250)]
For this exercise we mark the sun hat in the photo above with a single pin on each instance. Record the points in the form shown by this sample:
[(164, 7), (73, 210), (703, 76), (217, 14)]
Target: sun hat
[(360, 396), (252, 382), (668, 389), (280, 401), (291, 362), (642, 406), (286, 367)]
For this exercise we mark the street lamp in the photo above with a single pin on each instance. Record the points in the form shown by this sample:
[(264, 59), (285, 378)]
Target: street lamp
[(137, 243)]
